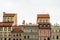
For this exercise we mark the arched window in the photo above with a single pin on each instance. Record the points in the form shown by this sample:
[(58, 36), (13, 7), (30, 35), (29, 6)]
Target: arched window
[(16, 39), (20, 34), (13, 39), (5, 39), (44, 25), (17, 35), (20, 39), (9, 39), (57, 37), (28, 37), (24, 37)]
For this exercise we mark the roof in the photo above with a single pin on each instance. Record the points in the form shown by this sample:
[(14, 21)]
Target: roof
[(43, 15), (17, 29), (8, 14), (5, 24)]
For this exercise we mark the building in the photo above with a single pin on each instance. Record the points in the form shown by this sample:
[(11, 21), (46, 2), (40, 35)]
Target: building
[(30, 32), (55, 32), (10, 17), (43, 21), (9, 20), (17, 33), (5, 30)]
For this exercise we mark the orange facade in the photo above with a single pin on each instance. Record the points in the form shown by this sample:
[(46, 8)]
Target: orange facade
[(43, 21)]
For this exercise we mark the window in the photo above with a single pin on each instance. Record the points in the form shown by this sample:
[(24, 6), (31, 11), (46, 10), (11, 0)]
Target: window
[(27, 30), (17, 35), (20, 34), (33, 30), (0, 38), (40, 38), (57, 37), (44, 38), (48, 25), (9, 28), (5, 28), (48, 32), (5, 38), (54, 30), (9, 39), (44, 25), (40, 25), (46, 20), (40, 32), (53, 37), (40, 20), (0, 33), (43, 20), (20, 39), (9, 34), (5, 33), (24, 37), (44, 32), (16, 39), (28, 37), (1, 28), (4, 19), (13, 39), (13, 34), (57, 30), (9, 19)]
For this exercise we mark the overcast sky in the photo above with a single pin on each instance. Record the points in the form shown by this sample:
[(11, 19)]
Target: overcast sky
[(28, 9)]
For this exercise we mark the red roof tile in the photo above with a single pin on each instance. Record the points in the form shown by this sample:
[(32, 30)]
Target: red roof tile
[(5, 24), (43, 15), (17, 28), (8, 14)]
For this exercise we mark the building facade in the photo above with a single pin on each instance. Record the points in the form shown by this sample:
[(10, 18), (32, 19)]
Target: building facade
[(9, 20), (5, 31), (17, 33), (10, 17), (30, 32), (43, 21), (55, 32)]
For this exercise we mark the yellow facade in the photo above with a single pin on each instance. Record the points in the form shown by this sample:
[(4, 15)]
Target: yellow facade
[(15, 20), (12, 19), (43, 20)]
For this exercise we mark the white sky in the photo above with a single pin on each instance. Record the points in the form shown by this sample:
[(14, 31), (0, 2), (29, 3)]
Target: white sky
[(28, 9)]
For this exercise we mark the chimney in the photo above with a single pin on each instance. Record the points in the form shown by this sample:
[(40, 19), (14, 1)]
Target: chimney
[(30, 23), (23, 22), (3, 12)]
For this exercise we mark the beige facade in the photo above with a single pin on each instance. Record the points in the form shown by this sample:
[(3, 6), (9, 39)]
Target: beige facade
[(16, 35), (5, 33), (55, 32), (30, 32)]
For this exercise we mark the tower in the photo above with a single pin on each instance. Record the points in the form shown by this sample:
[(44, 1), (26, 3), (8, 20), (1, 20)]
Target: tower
[(10, 17), (43, 21)]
